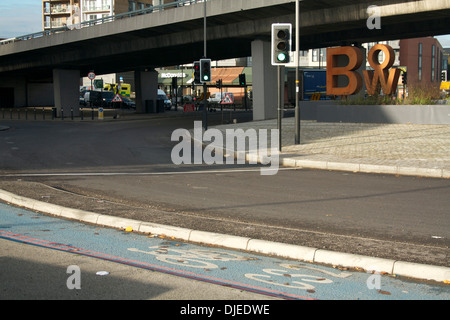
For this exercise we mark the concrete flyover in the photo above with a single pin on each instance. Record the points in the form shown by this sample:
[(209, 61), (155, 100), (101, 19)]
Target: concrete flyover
[(236, 28)]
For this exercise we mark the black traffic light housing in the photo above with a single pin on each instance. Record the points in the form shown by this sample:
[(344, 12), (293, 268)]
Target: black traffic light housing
[(281, 43), (197, 72), (174, 83), (405, 78), (242, 80), (205, 70)]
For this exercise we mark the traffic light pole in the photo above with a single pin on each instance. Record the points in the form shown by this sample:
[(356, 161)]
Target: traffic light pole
[(297, 73), (280, 104)]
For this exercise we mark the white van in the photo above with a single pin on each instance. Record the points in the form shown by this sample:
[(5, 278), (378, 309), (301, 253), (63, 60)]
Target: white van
[(218, 97), (163, 97)]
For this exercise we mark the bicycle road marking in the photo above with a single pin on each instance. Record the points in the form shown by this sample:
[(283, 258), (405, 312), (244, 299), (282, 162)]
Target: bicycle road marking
[(201, 258), (268, 276)]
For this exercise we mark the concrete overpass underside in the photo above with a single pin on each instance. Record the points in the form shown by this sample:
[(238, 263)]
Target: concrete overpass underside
[(175, 36)]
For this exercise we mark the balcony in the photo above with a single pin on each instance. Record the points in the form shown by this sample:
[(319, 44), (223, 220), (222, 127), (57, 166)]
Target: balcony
[(91, 9), (57, 23), (58, 9)]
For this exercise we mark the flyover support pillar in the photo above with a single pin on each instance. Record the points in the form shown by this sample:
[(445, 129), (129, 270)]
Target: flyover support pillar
[(66, 88), (146, 89), (264, 82)]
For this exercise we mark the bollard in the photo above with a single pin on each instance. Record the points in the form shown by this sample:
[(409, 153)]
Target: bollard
[(100, 113), (34, 113), (26, 114), (18, 114), (71, 113), (43, 114), (81, 114), (62, 113), (92, 114)]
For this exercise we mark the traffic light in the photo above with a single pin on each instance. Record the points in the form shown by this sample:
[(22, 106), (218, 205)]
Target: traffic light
[(205, 70), (405, 78), (242, 80), (443, 76), (219, 83), (174, 83), (281, 43), (197, 72)]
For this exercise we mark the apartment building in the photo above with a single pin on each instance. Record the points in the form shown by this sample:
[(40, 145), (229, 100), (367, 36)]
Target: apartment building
[(61, 13), (70, 13)]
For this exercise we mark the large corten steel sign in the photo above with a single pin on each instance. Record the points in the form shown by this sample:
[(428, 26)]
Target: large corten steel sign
[(378, 78)]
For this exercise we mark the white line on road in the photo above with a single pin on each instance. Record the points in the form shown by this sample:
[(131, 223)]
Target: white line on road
[(100, 174)]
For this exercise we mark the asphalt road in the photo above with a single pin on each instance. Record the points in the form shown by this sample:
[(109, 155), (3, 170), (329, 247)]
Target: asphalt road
[(405, 218)]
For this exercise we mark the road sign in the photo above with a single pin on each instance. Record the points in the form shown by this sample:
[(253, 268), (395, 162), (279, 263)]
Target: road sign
[(91, 76), (117, 98), (227, 99)]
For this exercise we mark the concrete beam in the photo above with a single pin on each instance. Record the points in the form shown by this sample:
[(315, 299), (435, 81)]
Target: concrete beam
[(139, 42)]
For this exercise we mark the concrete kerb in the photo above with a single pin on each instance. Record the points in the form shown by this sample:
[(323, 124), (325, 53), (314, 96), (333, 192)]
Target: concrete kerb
[(366, 168), (313, 255), (288, 161), (3, 128)]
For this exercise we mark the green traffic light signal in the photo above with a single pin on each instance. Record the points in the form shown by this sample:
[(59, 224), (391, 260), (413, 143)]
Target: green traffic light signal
[(282, 57), (205, 70)]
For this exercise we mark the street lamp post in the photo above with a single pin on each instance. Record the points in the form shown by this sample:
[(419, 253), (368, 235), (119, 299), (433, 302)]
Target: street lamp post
[(205, 88)]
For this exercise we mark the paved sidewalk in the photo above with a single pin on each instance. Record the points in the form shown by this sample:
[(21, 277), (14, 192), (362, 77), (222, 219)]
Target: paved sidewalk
[(403, 149)]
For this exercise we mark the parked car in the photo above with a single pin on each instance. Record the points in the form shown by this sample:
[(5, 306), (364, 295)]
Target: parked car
[(103, 99), (97, 98), (130, 104)]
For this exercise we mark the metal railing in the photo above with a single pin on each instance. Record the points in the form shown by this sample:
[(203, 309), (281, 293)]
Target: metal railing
[(152, 9)]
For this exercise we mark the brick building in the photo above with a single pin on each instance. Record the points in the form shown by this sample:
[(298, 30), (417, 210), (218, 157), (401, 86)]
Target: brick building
[(424, 59)]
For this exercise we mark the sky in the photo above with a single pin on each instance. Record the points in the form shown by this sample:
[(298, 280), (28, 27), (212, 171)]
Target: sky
[(21, 17)]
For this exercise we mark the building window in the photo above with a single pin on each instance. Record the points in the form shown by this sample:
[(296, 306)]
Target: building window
[(433, 63), (304, 53), (131, 5), (315, 55), (420, 61)]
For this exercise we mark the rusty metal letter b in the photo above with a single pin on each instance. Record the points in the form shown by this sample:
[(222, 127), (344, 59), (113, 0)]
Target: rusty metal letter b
[(355, 81)]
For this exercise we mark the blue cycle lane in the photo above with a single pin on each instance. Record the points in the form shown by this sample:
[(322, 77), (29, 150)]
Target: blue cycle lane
[(269, 276)]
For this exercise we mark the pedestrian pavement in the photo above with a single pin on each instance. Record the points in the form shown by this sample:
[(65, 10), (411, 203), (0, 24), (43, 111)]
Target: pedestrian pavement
[(401, 149)]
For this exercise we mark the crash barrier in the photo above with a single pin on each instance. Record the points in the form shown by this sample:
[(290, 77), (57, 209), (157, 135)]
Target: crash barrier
[(47, 113), (106, 19)]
